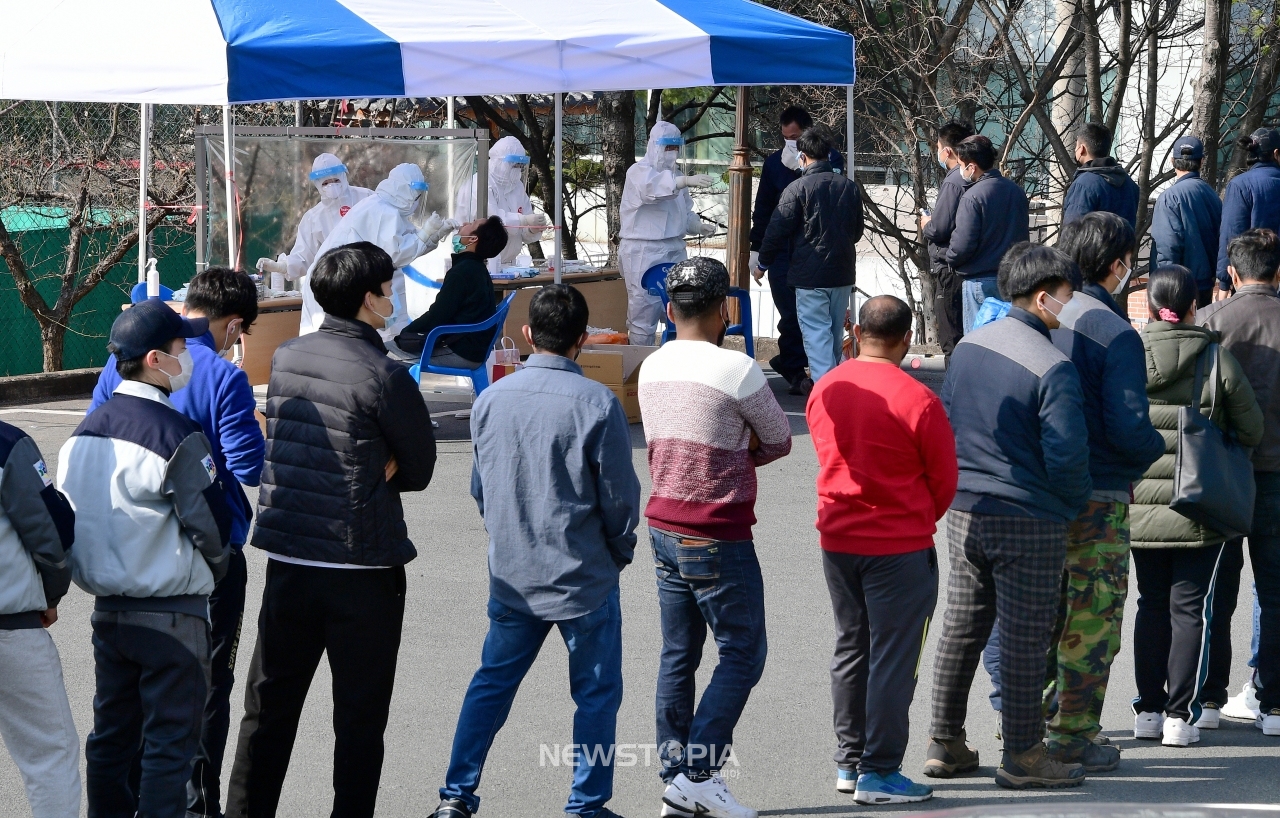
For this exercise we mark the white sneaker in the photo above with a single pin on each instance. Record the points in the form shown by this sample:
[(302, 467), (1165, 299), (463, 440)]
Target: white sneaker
[(1268, 723), (1148, 725), (1177, 733), (1243, 707), (1209, 717), (669, 811), (706, 799)]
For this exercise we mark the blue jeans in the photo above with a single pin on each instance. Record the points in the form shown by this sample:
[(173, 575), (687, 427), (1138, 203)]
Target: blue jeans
[(975, 291), (594, 641), (705, 583), (821, 312)]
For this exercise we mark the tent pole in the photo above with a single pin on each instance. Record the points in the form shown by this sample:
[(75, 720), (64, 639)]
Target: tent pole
[(449, 113), (297, 113), (229, 164), (738, 244), (559, 198), (848, 130), (144, 165)]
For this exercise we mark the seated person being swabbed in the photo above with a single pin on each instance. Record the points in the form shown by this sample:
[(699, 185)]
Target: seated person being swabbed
[(466, 297)]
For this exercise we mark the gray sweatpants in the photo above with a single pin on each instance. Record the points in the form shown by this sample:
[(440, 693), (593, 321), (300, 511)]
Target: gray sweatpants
[(882, 607), (35, 722)]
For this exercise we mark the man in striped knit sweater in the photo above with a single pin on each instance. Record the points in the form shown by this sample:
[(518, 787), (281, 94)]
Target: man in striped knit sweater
[(710, 419)]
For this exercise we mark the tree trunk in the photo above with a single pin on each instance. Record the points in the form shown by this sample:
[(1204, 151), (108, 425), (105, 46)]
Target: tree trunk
[(1206, 121), (1092, 58), (53, 333), (1069, 93), (618, 149)]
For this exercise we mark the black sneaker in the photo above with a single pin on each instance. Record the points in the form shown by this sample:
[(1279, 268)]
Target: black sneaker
[(1095, 758), (773, 364), (452, 808), (946, 759), (801, 386)]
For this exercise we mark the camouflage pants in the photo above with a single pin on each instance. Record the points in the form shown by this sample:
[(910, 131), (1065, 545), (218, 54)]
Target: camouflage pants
[(1094, 585)]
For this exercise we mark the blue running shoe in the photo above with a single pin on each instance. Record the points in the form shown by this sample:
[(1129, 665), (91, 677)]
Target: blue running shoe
[(893, 788), (846, 781)]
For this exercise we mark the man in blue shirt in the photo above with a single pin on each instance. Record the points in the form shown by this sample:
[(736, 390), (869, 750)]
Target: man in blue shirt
[(1252, 198), (1100, 183), (555, 484), (220, 399), (1184, 225)]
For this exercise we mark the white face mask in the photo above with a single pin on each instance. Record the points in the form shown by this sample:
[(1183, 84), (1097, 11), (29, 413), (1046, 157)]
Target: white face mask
[(332, 190), (964, 174), (790, 155), (667, 160), (1128, 271), (233, 330), (386, 319), (1062, 306), (185, 365), (941, 160)]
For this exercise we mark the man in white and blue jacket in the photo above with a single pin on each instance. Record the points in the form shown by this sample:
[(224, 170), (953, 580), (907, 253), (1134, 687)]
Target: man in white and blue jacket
[(220, 399), (1015, 403), (1186, 219), (1108, 354), (37, 528), (152, 531)]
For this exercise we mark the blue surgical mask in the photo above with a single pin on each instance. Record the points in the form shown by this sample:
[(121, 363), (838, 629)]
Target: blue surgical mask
[(458, 246)]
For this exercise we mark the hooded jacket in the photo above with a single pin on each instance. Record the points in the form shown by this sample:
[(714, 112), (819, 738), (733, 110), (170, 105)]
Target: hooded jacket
[(1184, 228), (993, 215), (1249, 323), (1171, 351), (1252, 200), (1109, 358), (818, 223), (37, 528), (1101, 185), (652, 207)]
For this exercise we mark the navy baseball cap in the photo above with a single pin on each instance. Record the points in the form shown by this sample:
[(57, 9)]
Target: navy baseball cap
[(1188, 147), (149, 325)]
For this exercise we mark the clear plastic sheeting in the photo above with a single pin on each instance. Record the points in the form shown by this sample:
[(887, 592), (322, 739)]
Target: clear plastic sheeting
[(273, 190)]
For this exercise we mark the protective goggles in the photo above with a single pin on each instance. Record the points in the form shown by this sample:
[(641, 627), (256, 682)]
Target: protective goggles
[(325, 173), (671, 141), (419, 186), (516, 159)]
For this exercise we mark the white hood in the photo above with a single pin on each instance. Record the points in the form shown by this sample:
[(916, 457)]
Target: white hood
[(398, 188), (505, 174), (657, 155), (325, 162)]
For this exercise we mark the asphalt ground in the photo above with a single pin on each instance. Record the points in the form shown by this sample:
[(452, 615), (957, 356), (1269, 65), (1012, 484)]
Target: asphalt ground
[(783, 743)]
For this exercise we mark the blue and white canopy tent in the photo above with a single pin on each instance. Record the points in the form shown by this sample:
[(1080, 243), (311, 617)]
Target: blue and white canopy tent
[(228, 52)]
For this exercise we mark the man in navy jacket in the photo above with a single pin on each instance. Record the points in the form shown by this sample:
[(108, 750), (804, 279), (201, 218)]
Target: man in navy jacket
[(781, 168), (1184, 225), (1100, 183), (1016, 406), (937, 228), (220, 399), (993, 215), (1111, 362), (1252, 198)]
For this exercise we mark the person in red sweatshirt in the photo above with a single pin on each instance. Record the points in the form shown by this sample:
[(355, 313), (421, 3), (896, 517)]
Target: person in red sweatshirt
[(886, 474)]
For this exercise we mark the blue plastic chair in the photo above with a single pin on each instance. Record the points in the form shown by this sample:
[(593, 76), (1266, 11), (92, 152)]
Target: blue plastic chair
[(479, 376), (654, 282)]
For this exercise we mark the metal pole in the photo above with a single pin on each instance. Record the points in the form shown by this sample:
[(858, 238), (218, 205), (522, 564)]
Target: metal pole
[(848, 130), (481, 203), (297, 113), (144, 166), (738, 244), (559, 198), (229, 163), (449, 116)]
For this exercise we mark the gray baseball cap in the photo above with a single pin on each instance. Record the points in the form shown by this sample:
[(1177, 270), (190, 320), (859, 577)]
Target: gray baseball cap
[(697, 280)]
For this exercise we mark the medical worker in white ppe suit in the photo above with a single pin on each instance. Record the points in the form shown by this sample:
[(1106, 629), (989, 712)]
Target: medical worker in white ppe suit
[(507, 198), (337, 197), (384, 220), (656, 214)]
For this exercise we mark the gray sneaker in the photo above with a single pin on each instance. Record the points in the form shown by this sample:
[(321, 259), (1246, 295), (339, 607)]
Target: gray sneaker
[(1095, 758)]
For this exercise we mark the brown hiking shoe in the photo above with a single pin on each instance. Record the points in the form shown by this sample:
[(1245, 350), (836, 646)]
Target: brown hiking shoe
[(946, 759), (1035, 768)]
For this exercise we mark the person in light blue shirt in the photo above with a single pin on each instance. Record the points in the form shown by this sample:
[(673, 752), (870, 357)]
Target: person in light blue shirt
[(220, 399)]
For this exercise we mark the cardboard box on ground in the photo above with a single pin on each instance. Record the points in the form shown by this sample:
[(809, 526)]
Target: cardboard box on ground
[(617, 366)]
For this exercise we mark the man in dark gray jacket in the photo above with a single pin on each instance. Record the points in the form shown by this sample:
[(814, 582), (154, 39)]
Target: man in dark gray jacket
[(819, 220), (1249, 322), (992, 217), (37, 528), (347, 431), (560, 499), (937, 227)]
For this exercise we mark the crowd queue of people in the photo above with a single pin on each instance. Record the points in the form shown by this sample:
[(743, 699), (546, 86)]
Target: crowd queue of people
[(1050, 453)]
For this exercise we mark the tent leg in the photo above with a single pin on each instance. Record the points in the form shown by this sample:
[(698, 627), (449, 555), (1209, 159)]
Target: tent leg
[(144, 166), (739, 234), (848, 130), (559, 197), (229, 162)]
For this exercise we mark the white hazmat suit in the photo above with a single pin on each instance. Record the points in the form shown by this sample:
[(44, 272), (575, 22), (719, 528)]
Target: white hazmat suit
[(383, 219), (507, 198), (337, 197), (656, 213)]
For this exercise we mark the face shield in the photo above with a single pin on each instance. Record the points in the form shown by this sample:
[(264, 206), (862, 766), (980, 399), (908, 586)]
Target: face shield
[(331, 181), (510, 170), (670, 148), (421, 212)]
